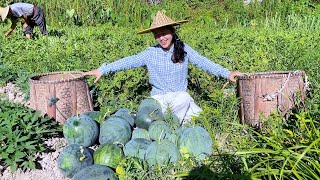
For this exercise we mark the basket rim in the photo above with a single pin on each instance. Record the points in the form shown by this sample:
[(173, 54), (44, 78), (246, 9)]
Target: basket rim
[(32, 80), (270, 74)]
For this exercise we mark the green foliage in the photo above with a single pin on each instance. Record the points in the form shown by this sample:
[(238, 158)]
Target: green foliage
[(137, 13), (21, 135), (268, 36), (6, 75), (285, 151)]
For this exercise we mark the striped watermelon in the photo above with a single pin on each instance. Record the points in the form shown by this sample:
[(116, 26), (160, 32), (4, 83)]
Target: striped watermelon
[(81, 129), (108, 155)]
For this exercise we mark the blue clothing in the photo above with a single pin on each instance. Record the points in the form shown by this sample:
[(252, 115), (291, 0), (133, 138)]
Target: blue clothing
[(20, 9), (34, 14), (165, 76)]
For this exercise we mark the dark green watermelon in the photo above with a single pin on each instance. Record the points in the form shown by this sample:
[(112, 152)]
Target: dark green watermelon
[(82, 130), (162, 153), (149, 110), (108, 155), (73, 158), (140, 133), (95, 172), (125, 114), (95, 115), (115, 130), (158, 129), (172, 137), (136, 147), (195, 141), (149, 102)]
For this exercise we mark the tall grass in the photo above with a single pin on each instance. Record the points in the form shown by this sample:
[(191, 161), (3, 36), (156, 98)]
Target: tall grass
[(274, 35), (137, 13), (121, 12), (285, 152)]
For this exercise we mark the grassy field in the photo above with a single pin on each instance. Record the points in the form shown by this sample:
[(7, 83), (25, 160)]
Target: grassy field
[(274, 36)]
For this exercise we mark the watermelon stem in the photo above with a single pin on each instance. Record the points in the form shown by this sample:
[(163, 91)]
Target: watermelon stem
[(160, 136), (151, 114), (82, 157), (119, 144), (76, 122)]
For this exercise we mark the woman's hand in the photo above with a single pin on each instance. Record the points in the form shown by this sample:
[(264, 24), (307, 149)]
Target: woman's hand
[(233, 75), (95, 73)]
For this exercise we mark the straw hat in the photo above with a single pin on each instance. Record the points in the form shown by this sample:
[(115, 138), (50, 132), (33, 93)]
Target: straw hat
[(4, 12), (161, 20)]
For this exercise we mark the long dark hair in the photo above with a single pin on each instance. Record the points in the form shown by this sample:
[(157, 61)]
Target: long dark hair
[(178, 51)]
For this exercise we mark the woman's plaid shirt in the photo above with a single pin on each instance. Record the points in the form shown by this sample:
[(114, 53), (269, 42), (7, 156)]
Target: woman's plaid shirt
[(165, 76)]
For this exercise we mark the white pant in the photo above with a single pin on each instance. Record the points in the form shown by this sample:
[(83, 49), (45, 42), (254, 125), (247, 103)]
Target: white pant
[(180, 103)]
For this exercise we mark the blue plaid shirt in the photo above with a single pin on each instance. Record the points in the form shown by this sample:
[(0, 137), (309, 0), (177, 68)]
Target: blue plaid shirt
[(165, 76)]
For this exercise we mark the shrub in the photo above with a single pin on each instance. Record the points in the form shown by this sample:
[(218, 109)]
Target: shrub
[(22, 131)]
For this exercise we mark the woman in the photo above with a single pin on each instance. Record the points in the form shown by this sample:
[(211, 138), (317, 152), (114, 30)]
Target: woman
[(32, 15), (167, 64)]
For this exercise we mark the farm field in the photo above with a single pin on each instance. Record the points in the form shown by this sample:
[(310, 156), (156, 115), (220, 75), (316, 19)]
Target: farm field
[(260, 37)]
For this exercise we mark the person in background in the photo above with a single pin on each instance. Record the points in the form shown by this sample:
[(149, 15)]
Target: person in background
[(32, 15), (167, 65)]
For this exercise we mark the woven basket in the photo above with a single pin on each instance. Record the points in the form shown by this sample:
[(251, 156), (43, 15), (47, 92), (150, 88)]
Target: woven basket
[(60, 94), (264, 93)]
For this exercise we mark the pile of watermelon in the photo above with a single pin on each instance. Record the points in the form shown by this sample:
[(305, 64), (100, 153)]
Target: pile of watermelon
[(151, 135)]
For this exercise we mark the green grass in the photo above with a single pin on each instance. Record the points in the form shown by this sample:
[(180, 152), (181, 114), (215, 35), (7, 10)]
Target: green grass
[(249, 39)]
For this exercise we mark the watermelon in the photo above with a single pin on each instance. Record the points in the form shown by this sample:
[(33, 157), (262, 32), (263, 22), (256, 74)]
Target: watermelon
[(95, 115), (172, 119), (81, 130), (136, 147), (162, 153), (125, 114), (95, 172), (115, 130), (73, 158), (109, 155), (140, 133), (195, 141), (149, 110), (149, 102), (172, 137), (158, 129)]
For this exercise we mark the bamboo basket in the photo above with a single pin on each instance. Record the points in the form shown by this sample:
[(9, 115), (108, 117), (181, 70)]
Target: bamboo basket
[(263, 93), (60, 95)]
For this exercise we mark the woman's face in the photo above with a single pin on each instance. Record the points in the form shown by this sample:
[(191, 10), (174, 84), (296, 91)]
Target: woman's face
[(163, 36)]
